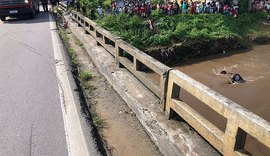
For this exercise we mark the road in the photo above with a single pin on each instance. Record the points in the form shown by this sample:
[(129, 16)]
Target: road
[(32, 116)]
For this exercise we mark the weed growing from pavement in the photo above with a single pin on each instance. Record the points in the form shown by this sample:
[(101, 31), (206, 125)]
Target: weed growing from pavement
[(71, 52), (85, 75), (63, 36), (87, 85), (98, 122), (73, 56), (78, 42)]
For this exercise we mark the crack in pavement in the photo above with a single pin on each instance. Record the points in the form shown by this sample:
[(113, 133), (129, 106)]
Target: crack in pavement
[(44, 57), (31, 141)]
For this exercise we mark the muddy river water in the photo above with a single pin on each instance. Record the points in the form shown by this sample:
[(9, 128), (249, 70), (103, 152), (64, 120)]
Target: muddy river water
[(254, 66)]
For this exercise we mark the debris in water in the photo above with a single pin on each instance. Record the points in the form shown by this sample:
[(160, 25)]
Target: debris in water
[(223, 72)]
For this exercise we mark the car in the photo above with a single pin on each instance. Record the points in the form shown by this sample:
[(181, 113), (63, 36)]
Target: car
[(15, 8)]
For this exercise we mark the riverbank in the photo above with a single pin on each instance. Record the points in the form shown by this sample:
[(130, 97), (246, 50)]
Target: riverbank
[(183, 37)]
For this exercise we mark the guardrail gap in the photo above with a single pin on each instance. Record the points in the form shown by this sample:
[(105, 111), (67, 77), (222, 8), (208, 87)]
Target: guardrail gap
[(175, 94), (241, 136), (86, 25), (138, 65), (99, 38), (207, 112), (251, 143), (108, 41), (125, 54), (82, 21), (148, 72), (92, 28), (99, 35), (79, 22)]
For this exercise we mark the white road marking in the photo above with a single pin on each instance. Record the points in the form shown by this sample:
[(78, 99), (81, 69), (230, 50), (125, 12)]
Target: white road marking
[(75, 139)]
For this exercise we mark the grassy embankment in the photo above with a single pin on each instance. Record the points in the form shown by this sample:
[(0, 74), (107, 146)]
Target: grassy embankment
[(185, 36)]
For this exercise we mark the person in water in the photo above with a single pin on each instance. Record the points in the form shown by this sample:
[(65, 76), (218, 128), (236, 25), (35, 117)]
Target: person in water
[(234, 77)]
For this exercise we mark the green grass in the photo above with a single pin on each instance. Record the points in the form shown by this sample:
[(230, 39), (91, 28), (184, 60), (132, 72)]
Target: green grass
[(63, 36), (87, 85), (78, 42), (184, 28), (106, 2), (71, 52), (98, 122), (85, 75)]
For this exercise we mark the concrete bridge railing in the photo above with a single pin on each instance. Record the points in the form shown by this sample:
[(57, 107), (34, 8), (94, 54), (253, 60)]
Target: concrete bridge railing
[(128, 56), (63, 6), (136, 61), (240, 121)]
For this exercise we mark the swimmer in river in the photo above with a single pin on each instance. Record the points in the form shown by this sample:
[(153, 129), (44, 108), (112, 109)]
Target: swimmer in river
[(234, 77)]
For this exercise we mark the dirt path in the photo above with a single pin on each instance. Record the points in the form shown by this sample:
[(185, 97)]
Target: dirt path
[(121, 130)]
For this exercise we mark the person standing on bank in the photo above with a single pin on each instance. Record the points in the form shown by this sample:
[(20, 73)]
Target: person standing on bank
[(100, 11), (45, 5)]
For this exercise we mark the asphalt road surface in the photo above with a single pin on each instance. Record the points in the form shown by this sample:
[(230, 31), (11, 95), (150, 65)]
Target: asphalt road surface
[(31, 119)]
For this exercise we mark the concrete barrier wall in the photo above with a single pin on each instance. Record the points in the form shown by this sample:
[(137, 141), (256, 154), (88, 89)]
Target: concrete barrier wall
[(240, 121)]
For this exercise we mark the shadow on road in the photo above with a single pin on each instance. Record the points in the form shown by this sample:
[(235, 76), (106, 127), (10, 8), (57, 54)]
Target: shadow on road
[(42, 17)]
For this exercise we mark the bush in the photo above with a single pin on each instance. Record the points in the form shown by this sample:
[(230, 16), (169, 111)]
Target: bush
[(88, 5), (182, 27), (244, 5)]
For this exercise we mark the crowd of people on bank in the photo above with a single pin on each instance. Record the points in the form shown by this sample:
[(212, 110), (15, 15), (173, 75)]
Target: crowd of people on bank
[(144, 8), (258, 5), (172, 8)]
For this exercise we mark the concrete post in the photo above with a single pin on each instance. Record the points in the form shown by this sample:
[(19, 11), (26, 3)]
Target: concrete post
[(117, 53), (163, 85), (229, 138)]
